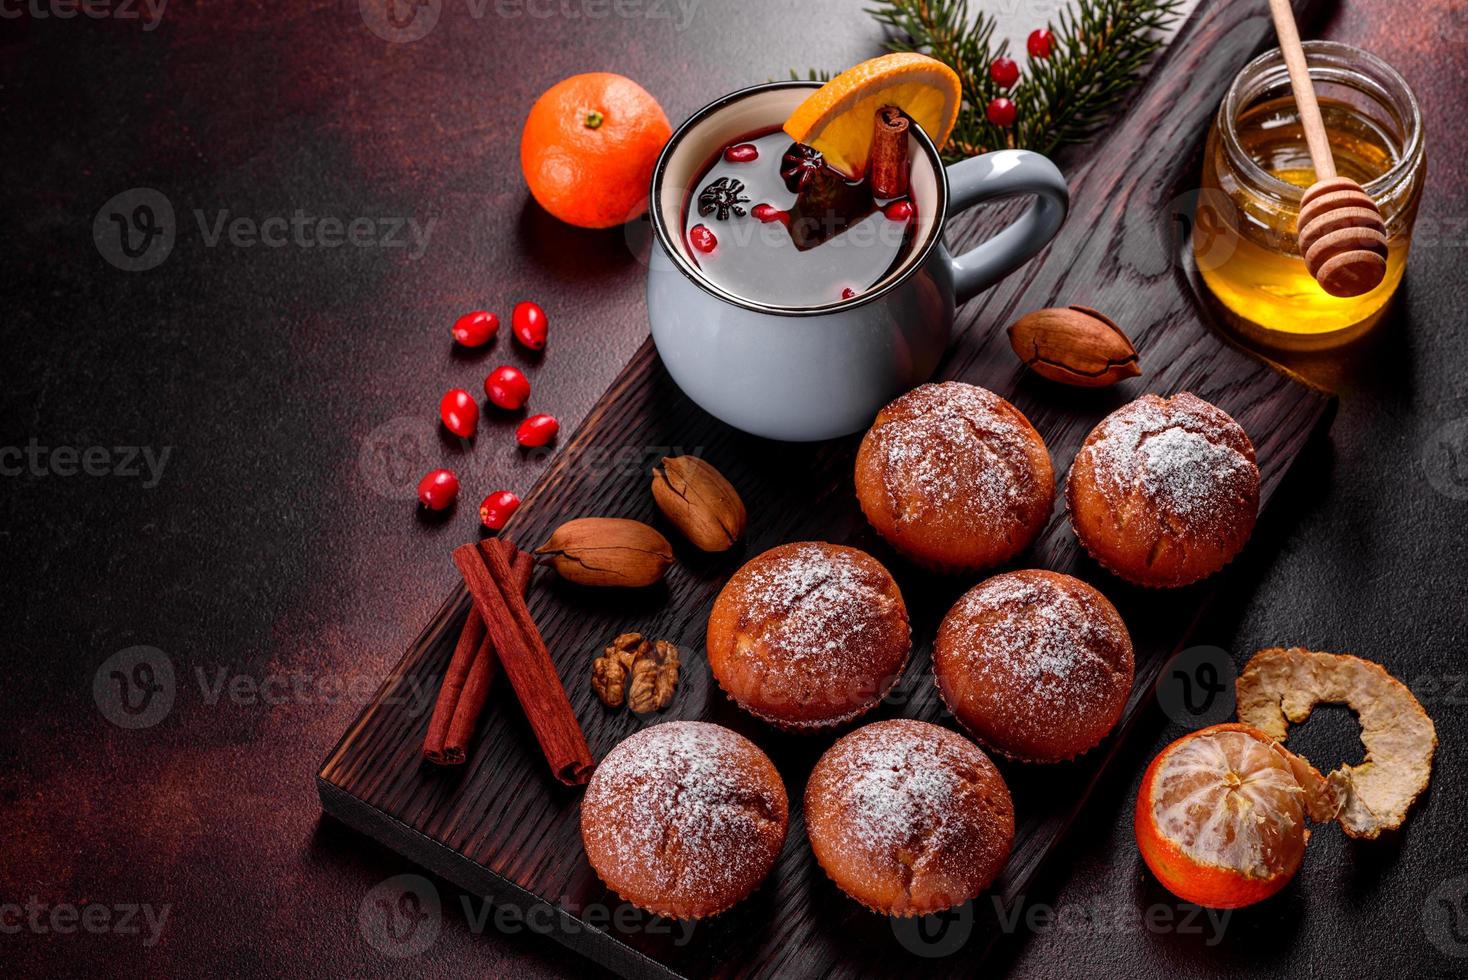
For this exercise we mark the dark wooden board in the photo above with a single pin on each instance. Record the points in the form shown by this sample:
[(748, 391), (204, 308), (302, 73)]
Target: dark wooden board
[(501, 827)]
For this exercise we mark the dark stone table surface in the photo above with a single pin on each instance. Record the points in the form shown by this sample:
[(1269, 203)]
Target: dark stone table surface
[(198, 476)]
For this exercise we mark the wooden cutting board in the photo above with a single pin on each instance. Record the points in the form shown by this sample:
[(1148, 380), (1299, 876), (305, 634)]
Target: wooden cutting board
[(502, 828)]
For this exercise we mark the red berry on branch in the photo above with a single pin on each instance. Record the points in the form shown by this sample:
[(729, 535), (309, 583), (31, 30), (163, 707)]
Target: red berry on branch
[(438, 490), (1004, 72), (1039, 42), (537, 430), (702, 238), (507, 387), (741, 153), (898, 211), (1001, 112), (459, 412), (476, 329), (497, 508), (529, 323)]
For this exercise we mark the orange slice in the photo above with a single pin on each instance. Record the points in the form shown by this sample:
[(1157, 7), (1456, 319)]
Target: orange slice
[(837, 118)]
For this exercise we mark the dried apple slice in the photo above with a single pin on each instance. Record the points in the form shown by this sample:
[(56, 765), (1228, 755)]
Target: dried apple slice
[(1281, 687)]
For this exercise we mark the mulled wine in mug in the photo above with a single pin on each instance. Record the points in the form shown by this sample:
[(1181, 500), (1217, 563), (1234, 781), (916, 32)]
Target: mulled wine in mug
[(793, 304)]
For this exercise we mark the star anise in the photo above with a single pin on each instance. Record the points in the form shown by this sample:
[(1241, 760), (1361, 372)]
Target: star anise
[(723, 196), (799, 164)]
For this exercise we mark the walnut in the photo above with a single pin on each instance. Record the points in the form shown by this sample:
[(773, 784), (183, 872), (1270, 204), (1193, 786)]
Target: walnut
[(654, 678), (610, 671)]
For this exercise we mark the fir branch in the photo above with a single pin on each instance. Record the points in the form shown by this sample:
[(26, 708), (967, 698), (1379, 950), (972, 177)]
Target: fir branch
[(1099, 50)]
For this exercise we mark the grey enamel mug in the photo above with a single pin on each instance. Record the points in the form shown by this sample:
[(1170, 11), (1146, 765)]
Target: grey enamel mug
[(802, 374)]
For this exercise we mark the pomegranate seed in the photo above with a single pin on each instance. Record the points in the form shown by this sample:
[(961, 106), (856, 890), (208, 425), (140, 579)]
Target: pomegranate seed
[(438, 490), (1001, 112), (507, 387), (741, 153), (497, 508), (768, 213), (529, 324), (459, 412), (847, 293), (537, 430), (702, 238), (1038, 43), (898, 211), (476, 329), (1004, 72)]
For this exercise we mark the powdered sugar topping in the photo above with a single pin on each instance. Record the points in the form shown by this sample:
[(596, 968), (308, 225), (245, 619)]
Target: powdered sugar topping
[(686, 808)]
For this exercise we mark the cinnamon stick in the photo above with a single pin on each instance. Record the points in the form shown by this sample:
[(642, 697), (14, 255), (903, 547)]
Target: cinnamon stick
[(525, 660), (467, 680), (887, 171)]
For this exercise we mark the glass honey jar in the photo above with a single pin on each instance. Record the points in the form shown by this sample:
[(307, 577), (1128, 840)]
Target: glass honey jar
[(1256, 166)]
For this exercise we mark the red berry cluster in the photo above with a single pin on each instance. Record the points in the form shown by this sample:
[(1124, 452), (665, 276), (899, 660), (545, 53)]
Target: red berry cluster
[(1001, 111), (506, 387)]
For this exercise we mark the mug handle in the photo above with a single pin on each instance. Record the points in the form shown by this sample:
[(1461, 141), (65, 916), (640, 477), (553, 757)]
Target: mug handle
[(1005, 173)]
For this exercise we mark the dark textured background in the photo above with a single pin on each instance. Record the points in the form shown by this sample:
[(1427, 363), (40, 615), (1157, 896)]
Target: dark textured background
[(270, 549)]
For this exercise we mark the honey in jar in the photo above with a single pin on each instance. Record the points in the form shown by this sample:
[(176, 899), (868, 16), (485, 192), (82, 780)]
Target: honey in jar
[(1257, 165)]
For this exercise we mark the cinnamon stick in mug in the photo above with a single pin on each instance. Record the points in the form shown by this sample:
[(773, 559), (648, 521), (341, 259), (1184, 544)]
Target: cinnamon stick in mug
[(887, 170)]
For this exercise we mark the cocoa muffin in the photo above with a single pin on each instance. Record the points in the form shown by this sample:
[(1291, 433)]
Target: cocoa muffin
[(809, 635), (684, 819), (1164, 491), (908, 818), (954, 477), (1036, 665)]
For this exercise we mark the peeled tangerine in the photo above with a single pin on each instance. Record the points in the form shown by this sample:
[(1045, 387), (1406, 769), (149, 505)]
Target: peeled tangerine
[(1221, 815)]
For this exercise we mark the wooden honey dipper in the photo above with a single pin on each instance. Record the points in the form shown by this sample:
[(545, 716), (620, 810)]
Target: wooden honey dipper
[(1341, 233)]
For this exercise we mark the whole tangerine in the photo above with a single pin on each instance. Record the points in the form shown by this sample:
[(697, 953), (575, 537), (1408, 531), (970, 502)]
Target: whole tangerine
[(1220, 816), (589, 147)]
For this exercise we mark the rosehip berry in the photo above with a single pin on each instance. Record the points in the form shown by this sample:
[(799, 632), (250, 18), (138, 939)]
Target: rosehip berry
[(898, 211), (1001, 112), (1004, 72), (507, 387), (438, 490), (768, 213), (497, 508), (476, 329), (529, 323), (702, 238), (537, 430), (459, 412), (742, 153), (1039, 42)]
